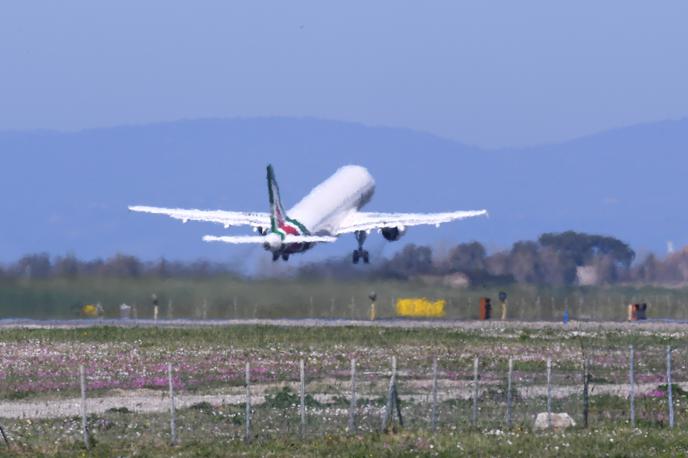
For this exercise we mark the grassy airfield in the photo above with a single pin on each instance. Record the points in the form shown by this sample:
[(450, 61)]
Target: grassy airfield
[(615, 442), (39, 368), (226, 297)]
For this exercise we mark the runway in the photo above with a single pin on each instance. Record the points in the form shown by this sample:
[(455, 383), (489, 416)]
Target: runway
[(648, 325)]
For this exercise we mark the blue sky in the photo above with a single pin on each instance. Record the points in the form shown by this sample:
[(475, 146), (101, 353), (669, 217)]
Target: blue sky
[(491, 73)]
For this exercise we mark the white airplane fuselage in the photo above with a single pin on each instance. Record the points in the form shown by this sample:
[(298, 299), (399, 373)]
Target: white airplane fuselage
[(326, 206)]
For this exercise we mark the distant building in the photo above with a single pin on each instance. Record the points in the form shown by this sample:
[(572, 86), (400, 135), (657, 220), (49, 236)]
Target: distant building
[(587, 275), (455, 280)]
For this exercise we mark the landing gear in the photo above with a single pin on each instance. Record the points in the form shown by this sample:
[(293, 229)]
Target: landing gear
[(276, 255), (360, 253)]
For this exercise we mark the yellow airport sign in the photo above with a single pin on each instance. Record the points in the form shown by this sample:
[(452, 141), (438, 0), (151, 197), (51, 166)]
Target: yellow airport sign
[(90, 310), (420, 308)]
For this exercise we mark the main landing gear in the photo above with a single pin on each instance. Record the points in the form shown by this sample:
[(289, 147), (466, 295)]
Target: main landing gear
[(276, 255), (360, 253)]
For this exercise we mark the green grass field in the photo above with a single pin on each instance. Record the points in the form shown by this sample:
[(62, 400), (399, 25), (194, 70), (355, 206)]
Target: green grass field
[(288, 298), (614, 442), (41, 366)]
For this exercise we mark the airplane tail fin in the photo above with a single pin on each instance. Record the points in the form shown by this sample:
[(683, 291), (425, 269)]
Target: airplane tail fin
[(280, 221), (277, 213)]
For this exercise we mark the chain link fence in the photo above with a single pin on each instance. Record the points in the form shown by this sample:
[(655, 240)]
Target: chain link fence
[(325, 401)]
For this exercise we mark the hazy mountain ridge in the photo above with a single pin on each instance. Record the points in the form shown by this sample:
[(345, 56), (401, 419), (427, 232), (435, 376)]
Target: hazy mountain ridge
[(69, 191)]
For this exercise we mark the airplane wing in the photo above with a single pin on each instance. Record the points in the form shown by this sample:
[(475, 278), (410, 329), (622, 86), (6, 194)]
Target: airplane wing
[(226, 218), (261, 239), (364, 221)]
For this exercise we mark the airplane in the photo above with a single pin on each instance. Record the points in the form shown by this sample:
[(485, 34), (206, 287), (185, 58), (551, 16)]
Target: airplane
[(331, 209)]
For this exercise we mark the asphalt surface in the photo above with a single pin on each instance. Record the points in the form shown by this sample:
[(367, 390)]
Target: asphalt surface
[(312, 322)]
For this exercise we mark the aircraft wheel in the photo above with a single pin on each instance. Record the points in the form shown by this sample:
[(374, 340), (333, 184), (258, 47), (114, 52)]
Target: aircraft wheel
[(285, 257), (275, 257), (366, 257), (356, 256)]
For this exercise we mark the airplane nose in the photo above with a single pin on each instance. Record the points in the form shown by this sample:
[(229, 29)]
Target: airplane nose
[(273, 242)]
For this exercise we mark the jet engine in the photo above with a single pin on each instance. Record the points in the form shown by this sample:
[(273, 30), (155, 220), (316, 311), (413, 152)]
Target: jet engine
[(393, 234)]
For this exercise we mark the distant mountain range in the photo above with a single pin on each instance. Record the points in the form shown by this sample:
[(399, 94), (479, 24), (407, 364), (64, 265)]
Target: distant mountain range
[(68, 192)]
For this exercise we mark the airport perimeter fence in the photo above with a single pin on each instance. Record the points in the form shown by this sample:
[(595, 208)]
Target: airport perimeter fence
[(254, 400), (459, 307), (223, 299)]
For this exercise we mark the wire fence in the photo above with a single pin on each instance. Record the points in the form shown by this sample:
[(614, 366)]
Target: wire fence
[(459, 305), (607, 386), (228, 298)]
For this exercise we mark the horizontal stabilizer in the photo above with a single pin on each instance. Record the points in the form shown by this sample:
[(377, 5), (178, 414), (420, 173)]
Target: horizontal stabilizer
[(261, 240)]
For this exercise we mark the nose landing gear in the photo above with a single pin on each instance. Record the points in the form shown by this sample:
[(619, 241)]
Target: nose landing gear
[(360, 253)]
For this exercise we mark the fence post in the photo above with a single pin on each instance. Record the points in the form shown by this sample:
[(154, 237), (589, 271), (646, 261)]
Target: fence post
[(173, 413), (509, 422), (474, 416), (397, 403), (4, 437), (352, 406), (247, 434), (391, 396), (670, 394), (549, 392), (302, 395), (433, 417), (586, 391), (631, 382), (84, 420)]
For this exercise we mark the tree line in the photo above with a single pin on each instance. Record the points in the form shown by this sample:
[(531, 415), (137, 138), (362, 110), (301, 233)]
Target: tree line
[(559, 259), (554, 259), (42, 266)]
